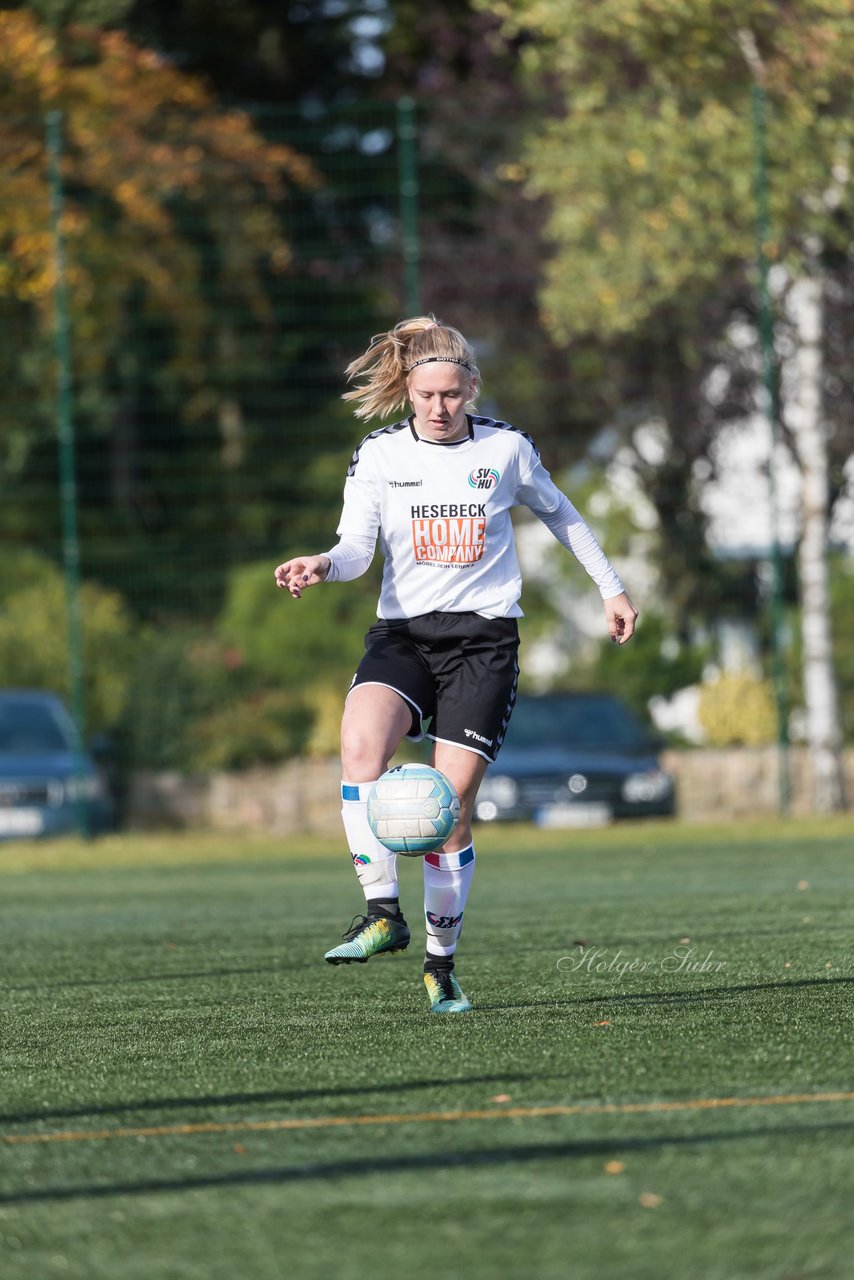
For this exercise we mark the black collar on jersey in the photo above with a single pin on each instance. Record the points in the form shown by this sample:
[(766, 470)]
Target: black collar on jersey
[(444, 444)]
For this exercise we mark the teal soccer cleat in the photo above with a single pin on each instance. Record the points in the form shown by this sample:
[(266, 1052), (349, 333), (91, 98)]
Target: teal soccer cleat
[(370, 936), (446, 994)]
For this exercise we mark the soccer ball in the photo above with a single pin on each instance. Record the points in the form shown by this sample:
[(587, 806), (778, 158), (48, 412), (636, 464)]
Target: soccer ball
[(413, 809)]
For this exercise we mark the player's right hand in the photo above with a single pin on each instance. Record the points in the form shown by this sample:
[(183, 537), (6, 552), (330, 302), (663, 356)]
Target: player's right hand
[(301, 572)]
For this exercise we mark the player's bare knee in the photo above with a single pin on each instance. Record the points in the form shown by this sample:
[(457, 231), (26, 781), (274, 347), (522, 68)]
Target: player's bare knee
[(362, 757), (366, 749)]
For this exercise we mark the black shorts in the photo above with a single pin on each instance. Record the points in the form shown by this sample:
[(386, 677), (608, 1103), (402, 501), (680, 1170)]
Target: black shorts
[(457, 670)]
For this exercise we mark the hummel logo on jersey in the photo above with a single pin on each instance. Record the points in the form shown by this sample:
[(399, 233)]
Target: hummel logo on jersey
[(470, 733), (484, 478), (406, 484)]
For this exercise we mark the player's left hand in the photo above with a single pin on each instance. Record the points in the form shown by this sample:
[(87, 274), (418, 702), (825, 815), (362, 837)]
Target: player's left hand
[(302, 572), (621, 616)]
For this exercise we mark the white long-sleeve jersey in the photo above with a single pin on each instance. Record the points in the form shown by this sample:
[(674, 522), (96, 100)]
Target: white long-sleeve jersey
[(442, 516)]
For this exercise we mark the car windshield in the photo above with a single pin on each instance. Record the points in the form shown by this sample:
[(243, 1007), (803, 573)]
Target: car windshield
[(575, 722), (29, 727)]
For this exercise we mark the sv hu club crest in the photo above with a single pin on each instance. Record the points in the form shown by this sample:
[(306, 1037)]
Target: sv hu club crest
[(484, 478)]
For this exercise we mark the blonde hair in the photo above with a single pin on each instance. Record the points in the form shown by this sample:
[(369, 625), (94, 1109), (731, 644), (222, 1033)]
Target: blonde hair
[(384, 369)]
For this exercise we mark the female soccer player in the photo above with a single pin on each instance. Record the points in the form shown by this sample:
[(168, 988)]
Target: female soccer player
[(436, 488)]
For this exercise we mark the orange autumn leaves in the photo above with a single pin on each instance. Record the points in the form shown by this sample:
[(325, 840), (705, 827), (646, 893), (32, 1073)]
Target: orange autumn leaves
[(143, 143)]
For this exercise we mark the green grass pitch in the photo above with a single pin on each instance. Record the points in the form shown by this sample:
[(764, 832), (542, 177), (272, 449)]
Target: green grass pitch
[(655, 1081)]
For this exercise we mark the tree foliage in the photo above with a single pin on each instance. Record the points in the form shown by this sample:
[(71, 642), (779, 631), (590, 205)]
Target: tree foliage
[(653, 666), (223, 267), (86, 13), (34, 640), (289, 643), (482, 234), (142, 138), (294, 53), (648, 166), (172, 204)]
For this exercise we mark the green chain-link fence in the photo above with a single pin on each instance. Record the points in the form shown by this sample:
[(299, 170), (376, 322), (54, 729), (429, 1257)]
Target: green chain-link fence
[(181, 287), (176, 310)]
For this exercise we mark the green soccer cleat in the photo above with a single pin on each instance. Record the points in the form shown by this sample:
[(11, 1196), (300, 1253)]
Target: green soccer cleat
[(370, 936), (446, 994)]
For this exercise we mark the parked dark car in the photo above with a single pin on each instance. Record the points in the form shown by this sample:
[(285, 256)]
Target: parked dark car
[(575, 759), (45, 782)]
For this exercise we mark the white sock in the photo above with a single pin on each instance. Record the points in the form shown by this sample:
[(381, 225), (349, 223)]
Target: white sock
[(447, 880), (376, 866)]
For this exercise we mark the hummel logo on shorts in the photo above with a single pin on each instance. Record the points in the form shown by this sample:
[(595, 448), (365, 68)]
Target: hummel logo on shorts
[(470, 733)]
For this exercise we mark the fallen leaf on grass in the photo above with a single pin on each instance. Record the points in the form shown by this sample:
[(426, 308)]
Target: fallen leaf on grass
[(606, 1023), (614, 1166), (650, 1200), (501, 1097)]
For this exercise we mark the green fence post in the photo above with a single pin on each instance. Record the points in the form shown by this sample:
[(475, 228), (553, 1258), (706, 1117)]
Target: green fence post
[(766, 336), (407, 144), (67, 477)]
